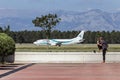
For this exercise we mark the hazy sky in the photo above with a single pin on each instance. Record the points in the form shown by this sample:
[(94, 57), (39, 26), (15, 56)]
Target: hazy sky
[(70, 5)]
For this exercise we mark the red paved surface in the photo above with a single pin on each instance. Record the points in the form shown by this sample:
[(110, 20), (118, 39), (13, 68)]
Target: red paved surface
[(9, 67), (90, 71)]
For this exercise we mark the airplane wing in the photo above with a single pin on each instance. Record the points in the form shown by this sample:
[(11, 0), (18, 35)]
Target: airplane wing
[(58, 42), (55, 43)]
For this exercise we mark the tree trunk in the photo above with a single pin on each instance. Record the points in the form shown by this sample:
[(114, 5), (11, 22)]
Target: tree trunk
[(3, 59)]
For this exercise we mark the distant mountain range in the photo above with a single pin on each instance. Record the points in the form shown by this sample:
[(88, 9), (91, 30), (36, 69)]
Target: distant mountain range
[(94, 20)]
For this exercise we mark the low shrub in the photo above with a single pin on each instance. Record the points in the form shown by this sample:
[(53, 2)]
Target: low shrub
[(7, 46)]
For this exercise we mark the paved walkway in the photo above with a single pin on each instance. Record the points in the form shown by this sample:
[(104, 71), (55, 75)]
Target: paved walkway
[(9, 67), (81, 71)]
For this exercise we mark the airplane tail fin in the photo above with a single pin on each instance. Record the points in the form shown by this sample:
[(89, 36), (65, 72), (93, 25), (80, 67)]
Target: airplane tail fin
[(81, 34)]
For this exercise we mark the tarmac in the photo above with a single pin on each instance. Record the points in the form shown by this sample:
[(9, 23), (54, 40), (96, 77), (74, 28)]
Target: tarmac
[(66, 71)]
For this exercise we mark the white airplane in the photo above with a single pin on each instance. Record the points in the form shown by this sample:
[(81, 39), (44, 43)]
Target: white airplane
[(59, 42)]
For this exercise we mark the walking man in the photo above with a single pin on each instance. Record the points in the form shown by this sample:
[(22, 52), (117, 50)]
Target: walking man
[(104, 47), (99, 44)]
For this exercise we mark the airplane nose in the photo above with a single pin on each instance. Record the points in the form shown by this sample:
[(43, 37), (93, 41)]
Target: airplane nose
[(34, 42)]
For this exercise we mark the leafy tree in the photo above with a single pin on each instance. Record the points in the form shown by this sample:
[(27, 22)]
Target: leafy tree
[(7, 30), (1, 30), (90, 36), (46, 22), (7, 46)]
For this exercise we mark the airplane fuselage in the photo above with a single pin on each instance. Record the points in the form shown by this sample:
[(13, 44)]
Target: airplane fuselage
[(59, 42)]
